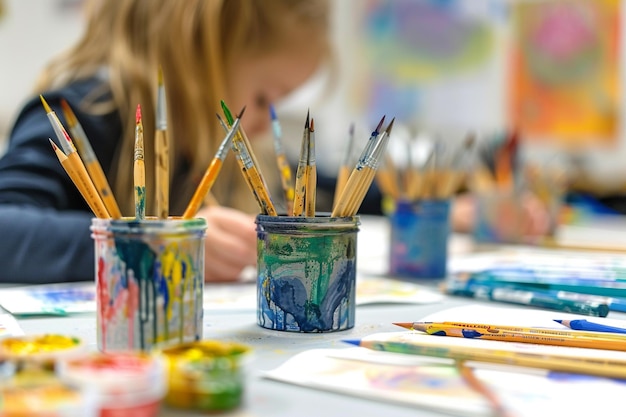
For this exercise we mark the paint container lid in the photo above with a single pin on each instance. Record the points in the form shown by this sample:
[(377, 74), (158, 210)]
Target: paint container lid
[(206, 375), (120, 378), (43, 349), (173, 226), (36, 391), (304, 225)]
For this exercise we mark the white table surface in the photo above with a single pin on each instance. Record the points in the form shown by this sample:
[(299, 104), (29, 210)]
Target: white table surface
[(268, 398)]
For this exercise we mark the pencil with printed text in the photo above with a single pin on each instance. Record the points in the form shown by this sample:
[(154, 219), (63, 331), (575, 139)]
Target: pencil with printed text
[(344, 167), (139, 169), (91, 162), (311, 174), (544, 338), (211, 173), (77, 166), (301, 171), (249, 166), (283, 165), (71, 172), (426, 325), (162, 153), (421, 344)]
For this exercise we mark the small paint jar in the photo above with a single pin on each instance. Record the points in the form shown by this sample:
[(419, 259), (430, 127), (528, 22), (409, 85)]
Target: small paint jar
[(207, 375), (36, 391), (149, 282), (418, 247), (44, 349), (126, 384), (306, 273)]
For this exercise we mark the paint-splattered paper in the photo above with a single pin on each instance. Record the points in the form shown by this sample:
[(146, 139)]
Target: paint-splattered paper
[(410, 380), (49, 299), (435, 384)]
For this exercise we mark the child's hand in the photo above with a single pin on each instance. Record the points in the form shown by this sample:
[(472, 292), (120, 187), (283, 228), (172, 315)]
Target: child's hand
[(230, 243)]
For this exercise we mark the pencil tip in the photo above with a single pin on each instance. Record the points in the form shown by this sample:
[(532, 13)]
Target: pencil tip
[(240, 113), (54, 145), (559, 321), (355, 342), (306, 122), (138, 114), (405, 325), (312, 125), (45, 104)]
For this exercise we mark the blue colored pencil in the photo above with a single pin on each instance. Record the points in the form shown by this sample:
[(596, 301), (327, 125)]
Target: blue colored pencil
[(590, 326)]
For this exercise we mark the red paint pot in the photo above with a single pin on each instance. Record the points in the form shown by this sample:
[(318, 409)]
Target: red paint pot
[(125, 384)]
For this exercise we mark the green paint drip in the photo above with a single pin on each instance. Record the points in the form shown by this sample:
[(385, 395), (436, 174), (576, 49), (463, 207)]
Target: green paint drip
[(140, 203)]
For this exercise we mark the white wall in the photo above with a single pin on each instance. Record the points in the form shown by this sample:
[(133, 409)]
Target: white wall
[(31, 32)]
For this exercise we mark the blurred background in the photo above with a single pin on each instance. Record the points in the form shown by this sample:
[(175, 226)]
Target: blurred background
[(551, 70)]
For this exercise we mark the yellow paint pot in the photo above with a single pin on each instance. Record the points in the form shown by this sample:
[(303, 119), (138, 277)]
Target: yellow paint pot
[(206, 375)]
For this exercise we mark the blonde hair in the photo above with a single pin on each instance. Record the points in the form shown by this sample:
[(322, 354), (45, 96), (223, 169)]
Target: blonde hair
[(193, 41)]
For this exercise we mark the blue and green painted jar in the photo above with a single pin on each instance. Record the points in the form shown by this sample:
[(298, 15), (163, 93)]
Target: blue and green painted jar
[(306, 273)]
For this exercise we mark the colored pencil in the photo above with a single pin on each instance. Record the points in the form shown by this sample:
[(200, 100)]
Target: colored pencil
[(424, 325), (468, 375), (249, 166), (570, 339), (311, 175), (513, 293), (71, 172), (139, 170), (344, 167), (301, 171), (211, 173), (161, 149), (81, 176), (283, 165), (585, 325), (563, 361), (90, 161)]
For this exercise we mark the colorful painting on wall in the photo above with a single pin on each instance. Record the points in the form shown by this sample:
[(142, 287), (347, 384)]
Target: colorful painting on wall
[(564, 71)]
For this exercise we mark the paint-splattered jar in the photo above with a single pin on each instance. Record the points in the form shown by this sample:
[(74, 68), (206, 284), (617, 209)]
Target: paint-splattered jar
[(29, 389), (208, 375), (43, 349), (419, 234), (149, 282), (306, 273), (125, 384)]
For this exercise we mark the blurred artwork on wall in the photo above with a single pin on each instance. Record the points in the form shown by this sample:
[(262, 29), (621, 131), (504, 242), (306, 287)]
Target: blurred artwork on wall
[(422, 58), (564, 77)]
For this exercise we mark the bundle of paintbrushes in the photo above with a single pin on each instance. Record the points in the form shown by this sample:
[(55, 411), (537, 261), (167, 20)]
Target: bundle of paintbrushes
[(352, 182), (86, 173), (437, 176), (505, 186)]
